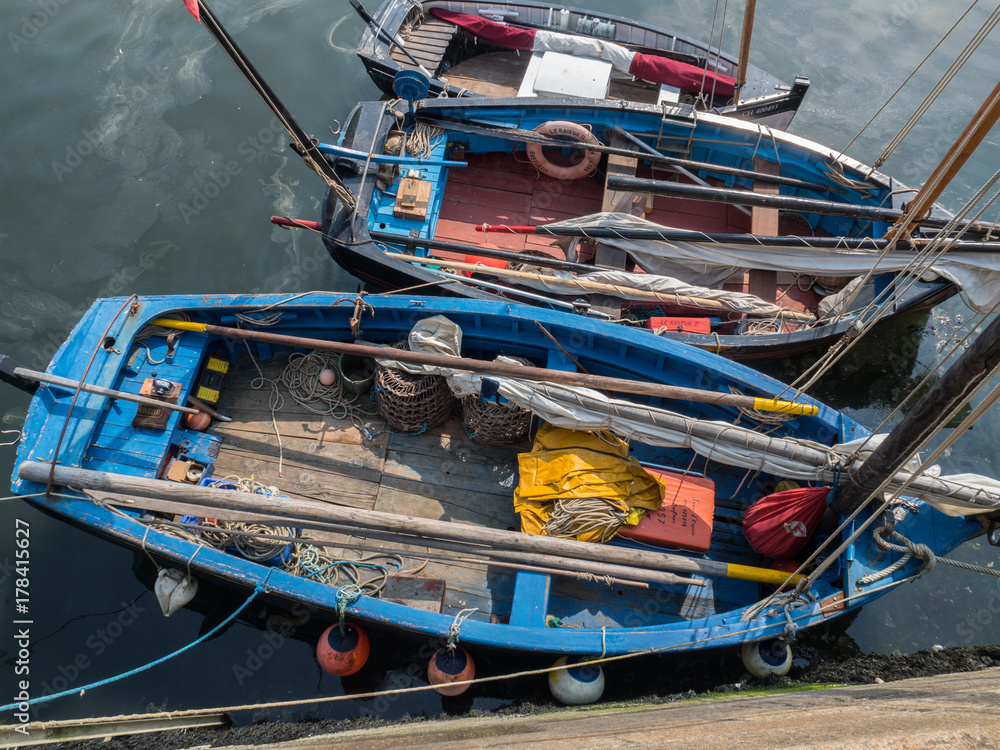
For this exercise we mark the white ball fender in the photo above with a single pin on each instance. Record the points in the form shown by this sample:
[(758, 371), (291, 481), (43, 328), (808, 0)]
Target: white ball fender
[(765, 658), (576, 686)]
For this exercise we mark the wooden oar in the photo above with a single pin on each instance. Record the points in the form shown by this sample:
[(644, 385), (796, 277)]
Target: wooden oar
[(597, 287), (303, 144), (44, 377), (598, 382), (86, 479), (489, 556)]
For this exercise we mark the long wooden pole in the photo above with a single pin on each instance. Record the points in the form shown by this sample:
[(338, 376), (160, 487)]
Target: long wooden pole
[(581, 569), (598, 382), (976, 365), (86, 479), (303, 145), (748, 198), (595, 287), (974, 133), (744, 59), (44, 377)]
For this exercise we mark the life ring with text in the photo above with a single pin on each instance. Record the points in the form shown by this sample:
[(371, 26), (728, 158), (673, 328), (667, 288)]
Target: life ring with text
[(564, 129)]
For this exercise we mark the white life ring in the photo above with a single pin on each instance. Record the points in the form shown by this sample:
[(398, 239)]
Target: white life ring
[(557, 128)]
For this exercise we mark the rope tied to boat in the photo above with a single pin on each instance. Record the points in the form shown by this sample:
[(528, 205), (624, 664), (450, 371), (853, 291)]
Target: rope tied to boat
[(422, 139), (360, 308), (346, 596), (455, 629)]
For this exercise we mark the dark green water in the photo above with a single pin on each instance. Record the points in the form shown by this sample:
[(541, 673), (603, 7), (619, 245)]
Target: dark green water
[(136, 159)]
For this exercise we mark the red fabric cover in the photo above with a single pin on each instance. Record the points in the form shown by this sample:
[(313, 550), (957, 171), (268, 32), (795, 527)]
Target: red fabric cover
[(779, 525), (498, 33), (657, 69)]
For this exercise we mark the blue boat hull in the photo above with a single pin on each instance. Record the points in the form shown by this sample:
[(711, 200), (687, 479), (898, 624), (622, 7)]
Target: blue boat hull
[(623, 620)]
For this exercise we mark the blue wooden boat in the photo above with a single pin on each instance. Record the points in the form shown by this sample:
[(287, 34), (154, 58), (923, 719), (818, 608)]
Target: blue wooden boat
[(620, 209), (441, 37), (114, 450)]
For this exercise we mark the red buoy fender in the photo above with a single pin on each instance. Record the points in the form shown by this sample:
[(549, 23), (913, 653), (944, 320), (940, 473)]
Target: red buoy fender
[(446, 667), (562, 128), (343, 653)]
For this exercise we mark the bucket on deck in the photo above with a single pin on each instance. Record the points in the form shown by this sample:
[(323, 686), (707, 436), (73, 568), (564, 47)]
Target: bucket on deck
[(356, 373)]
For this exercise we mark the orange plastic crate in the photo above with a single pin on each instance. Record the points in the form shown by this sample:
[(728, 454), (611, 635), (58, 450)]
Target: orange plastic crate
[(685, 518)]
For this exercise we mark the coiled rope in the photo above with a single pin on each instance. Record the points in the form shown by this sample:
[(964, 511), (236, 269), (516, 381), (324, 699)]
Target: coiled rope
[(301, 378), (574, 516)]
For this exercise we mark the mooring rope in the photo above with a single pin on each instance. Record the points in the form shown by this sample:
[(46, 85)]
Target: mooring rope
[(261, 586)]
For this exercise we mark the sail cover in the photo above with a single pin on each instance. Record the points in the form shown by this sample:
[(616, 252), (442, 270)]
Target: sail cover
[(577, 408), (709, 264), (652, 68)]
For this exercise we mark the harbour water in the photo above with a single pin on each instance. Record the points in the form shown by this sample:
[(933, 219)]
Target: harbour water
[(137, 160)]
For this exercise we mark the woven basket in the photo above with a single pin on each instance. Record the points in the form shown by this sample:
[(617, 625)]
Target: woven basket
[(411, 403), (493, 423), (496, 424)]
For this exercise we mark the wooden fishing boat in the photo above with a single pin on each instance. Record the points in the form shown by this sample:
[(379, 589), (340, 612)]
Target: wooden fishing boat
[(660, 218), (531, 49), (342, 484)]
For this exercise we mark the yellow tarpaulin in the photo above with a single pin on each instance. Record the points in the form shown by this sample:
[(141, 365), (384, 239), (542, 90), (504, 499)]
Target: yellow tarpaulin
[(565, 464)]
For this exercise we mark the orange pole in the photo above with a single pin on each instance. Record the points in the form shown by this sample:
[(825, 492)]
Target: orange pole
[(741, 71), (953, 161)]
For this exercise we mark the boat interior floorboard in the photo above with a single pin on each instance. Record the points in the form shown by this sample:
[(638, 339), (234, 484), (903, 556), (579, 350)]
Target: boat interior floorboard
[(441, 474)]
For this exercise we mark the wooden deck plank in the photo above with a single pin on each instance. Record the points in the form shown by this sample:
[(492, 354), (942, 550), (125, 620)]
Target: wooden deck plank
[(414, 498), (297, 482), (493, 74)]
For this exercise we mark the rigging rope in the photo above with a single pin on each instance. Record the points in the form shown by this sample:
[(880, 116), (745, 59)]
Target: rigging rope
[(978, 38), (900, 88)]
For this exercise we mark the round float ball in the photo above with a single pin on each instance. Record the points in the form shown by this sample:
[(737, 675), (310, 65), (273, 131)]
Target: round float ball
[(343, 654), (765, 658), (446, 667), (327, 376), (576, 686), (198, 422)]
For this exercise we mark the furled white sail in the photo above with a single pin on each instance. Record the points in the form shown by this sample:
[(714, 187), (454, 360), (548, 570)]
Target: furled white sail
[(709, 264)]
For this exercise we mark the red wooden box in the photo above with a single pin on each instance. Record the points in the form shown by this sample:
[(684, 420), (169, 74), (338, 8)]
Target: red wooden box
[(685, 518)]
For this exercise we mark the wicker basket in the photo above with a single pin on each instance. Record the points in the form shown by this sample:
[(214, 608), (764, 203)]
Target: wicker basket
[(493, 423), (411, 403)]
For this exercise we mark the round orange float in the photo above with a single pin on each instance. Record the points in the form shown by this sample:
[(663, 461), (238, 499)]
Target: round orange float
[(343, 653)]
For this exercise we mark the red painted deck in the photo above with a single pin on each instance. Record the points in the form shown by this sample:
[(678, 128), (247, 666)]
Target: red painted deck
[(506, 189)]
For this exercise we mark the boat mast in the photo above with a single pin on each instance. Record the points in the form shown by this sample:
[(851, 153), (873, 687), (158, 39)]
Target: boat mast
[(977, 364), (954, 160), (741, 71), (974, 367)]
